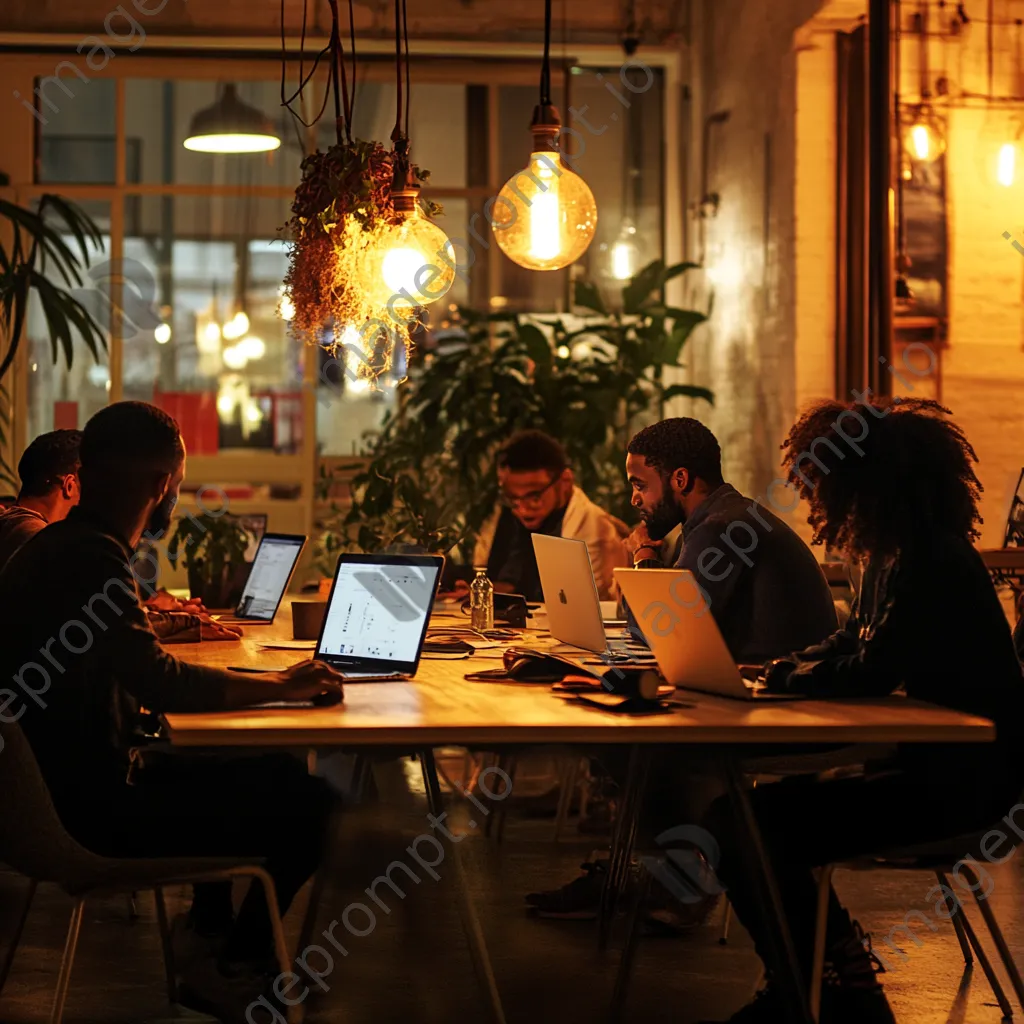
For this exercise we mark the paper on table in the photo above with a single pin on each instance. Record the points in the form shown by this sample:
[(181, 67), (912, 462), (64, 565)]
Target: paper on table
[(288, 645)]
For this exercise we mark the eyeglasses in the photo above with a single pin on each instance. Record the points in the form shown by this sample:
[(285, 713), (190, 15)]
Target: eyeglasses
[(531, 500)]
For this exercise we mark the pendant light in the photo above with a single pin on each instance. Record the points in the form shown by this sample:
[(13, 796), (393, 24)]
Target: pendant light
[(413, 263), (231, 126), (1000, 149), (924, 138), (545, 216)]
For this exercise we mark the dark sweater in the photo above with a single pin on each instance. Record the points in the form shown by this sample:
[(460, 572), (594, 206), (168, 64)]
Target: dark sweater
[(72, 630), (762, 583)]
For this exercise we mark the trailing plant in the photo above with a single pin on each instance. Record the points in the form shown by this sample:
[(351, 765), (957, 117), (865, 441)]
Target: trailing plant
[(430, 480), (38, 259), (213, 549)]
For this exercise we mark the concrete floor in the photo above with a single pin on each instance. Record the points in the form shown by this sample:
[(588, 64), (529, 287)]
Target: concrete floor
[(414, 964)]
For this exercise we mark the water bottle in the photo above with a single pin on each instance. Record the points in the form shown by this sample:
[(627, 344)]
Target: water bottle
[(481, 602)]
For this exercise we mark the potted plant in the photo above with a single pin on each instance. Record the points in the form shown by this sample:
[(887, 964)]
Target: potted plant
[(213, 548), (35, 256)]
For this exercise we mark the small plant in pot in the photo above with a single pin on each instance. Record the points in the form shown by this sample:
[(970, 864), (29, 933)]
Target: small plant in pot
[(213, 549)]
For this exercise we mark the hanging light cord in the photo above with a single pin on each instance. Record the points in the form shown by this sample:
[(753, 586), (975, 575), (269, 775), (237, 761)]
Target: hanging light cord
[(304, 79), (403, 95), (545, 70)]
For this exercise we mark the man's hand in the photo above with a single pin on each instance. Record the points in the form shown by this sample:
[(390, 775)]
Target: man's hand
[(190, 633), (163, 601), (311, 679), (458, 593), (639, 544)]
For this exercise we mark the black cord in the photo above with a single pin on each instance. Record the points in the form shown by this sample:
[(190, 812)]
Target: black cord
[(396, 132), (352, 41), (408, 82), (304, 79), (545, 71)]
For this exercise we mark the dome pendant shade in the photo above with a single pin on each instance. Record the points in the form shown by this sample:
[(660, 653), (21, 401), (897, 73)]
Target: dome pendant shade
[(231, 126)]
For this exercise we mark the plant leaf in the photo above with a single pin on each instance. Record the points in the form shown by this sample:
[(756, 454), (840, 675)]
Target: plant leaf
[(589, 297)]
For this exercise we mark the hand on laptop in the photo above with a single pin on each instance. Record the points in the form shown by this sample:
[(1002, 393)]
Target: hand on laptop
[(312, 680)]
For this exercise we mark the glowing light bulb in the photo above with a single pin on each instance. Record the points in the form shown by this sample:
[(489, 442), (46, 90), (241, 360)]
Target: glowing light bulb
[(545, 216), (920, 139), (286, 307), (253, 413), (1007, 164), (225, 404), (923, 138), (252, 347), (624, 254), (162, 334), (236, 327), (563, 352), (413, 264), (209, 338), (234, 358)]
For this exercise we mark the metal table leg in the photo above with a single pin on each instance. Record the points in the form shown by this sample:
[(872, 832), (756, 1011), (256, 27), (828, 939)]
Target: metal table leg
[(623, 839), (470, 922), (785, 966)]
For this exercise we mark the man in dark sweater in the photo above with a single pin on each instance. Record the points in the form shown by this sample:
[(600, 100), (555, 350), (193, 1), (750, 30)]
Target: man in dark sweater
[(760, 580), (80, 661)]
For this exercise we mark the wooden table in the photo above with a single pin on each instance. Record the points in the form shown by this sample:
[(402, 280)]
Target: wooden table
[(441, 707)]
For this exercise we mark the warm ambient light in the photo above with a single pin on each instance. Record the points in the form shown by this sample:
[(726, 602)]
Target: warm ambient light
[(412, 264), (286, 307), (234, 357), (546, 216), (162, 334), (252, 348), (231, 126), (923, 137), (1007, 164), (236, 327), (624, 256)]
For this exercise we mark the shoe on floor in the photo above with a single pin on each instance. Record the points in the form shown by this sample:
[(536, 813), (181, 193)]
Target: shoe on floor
[(839, 1005), (577, 901), (242, 998)]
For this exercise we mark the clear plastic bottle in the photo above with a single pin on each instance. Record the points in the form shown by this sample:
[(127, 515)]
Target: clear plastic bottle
[(481, 601)]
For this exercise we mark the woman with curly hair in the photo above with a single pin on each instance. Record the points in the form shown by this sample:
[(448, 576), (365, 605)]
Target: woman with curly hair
[(902, 500)]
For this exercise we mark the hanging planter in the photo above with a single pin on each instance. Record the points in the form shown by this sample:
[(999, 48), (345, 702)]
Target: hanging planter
[(345, 216)]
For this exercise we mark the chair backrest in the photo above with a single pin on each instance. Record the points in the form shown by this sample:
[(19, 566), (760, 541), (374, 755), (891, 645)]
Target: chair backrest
[(33, 839)]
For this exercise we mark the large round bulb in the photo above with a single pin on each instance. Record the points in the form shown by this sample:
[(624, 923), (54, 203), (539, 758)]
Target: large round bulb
[(412, 264), (545, 216)]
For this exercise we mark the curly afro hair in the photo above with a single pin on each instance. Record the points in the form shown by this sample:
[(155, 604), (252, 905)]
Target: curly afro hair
[(907, 474)]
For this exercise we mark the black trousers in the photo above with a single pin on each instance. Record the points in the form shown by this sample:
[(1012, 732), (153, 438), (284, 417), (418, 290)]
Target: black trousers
[(211, 806), (806, 824)]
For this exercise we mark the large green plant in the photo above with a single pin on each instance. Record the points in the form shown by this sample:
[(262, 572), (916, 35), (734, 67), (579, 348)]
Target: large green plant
[(430, 481), (36, 257), (214, 551)]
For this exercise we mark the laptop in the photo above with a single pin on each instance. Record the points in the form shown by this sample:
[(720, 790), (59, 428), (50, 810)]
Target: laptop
[(268, 579), (570, 595), (676, 619), (377, 615)]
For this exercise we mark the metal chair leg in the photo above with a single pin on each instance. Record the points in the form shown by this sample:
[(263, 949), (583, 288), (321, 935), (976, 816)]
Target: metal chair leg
[(723, 939), (820, 937), (66, 963), (12, 949), (312, 908), (295, 1013), (955, 908), (170, 969), (986, 966), (629, 950), (997, 935)]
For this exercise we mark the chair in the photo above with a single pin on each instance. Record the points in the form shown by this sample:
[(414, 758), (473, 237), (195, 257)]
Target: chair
[(41, 849), (942, 859)]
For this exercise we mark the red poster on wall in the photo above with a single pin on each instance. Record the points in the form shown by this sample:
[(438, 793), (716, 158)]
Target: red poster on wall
[(65, 415), (196, 414)]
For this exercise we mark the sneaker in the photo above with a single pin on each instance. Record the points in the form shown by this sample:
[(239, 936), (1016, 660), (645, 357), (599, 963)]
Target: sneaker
[(577, 901)]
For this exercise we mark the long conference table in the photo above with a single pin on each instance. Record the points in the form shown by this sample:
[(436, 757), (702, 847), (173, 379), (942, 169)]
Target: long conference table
[(440, 707)]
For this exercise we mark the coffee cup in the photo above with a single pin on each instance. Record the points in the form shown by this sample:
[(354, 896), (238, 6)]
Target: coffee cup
[(307, 618)]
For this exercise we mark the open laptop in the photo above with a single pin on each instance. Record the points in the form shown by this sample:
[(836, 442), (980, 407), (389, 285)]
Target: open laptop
[(377, 615), (272, 568), (676, 619), (570, 596)]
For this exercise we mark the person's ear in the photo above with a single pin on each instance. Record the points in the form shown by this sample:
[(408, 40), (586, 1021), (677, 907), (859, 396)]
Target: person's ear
[(69, 488), (567, 477), (680, 481)]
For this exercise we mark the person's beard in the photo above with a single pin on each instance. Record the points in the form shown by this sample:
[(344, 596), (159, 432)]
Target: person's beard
[(160, 519), (663, 518)]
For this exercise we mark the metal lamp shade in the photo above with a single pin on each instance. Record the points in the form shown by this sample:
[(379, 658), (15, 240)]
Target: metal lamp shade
[(231, 126)]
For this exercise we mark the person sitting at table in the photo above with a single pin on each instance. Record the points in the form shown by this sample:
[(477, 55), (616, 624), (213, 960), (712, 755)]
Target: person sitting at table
[(927, 620), (763, 587), (539, 495), (83, 659), (48, 471)]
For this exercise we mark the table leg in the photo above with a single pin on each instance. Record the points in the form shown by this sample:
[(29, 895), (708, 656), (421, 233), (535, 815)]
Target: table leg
[(470, 922), (623, 839), (785, 966)]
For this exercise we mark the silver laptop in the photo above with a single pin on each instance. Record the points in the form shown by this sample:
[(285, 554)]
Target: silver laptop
[(571, 598), (272, 568), (676, 619), (377, 615)]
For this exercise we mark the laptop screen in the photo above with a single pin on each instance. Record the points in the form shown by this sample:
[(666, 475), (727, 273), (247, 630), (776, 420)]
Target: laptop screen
[(379, 609), (271, 571)]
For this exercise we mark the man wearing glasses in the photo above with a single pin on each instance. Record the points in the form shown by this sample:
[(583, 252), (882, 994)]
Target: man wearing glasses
[(538, 495), (48, 470)]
